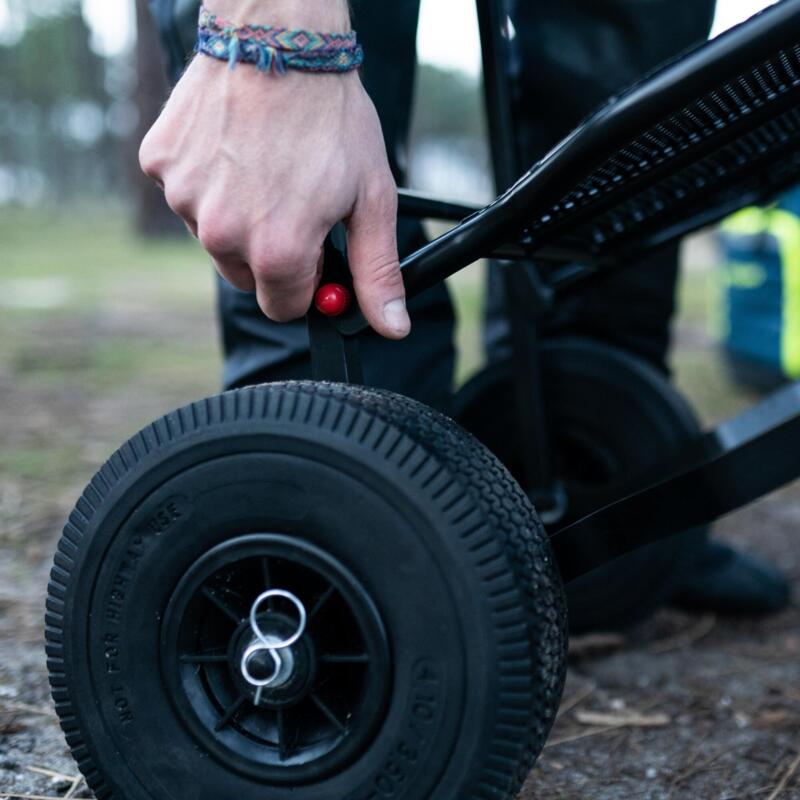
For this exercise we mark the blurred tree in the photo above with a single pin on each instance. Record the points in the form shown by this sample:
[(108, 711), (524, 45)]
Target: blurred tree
[(449, 154), (52, 60), (53, 103), (153, 216), (450, 105)]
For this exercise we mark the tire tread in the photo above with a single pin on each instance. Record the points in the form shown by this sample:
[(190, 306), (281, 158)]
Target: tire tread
[(528, 612)]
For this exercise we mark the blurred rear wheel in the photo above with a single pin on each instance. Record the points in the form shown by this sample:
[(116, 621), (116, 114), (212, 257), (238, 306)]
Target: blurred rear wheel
[(613, 417)]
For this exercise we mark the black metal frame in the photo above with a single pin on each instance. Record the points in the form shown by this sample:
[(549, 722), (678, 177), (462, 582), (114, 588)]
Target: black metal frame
[(708, 97)]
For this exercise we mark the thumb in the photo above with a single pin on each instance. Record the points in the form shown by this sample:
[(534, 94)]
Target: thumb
[(374, 263)]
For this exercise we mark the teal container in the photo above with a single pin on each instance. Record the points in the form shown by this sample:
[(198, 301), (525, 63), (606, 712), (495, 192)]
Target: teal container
[(761, 297)]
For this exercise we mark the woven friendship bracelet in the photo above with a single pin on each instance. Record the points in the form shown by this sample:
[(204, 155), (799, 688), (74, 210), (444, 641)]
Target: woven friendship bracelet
[(277, 49)]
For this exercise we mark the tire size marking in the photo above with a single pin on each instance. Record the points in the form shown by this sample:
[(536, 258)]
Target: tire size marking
[(112, 644), (111, 653), (166, 515), (115, 599), (121, 704), (419, 729), (169, 513)]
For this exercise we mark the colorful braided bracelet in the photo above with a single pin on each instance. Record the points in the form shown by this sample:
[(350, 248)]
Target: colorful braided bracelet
[(277, 49)]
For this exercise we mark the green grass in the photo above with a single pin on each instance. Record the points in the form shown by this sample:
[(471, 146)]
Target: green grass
[(90, 272), (37, 463), (130, 315), (94, 320), (111, 362), (467, 291), (94, 257)]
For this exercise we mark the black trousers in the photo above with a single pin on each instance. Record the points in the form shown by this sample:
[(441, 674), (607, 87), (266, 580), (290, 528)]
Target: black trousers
[(570, 55)]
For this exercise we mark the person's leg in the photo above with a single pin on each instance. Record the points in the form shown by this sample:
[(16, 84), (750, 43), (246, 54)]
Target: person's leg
[(571, 56), (421, 366)]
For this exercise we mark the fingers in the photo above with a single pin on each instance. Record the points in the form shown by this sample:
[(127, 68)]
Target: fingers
[(237, 273), (285, 273), (374, 263), (221, 238), (177, 193), (272, 262), (150, 160), (277, 258)]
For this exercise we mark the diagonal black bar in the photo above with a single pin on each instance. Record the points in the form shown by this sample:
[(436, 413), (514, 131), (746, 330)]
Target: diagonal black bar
[(756, 453), (424, 206)]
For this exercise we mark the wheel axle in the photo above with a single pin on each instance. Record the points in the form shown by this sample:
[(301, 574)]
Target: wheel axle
[(272, 647)]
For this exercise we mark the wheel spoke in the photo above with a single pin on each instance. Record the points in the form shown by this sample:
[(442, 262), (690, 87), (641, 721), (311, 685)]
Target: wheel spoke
[(320, 604), (224, 606), (266, 576), (328, 713), (345, 658), (204, 658), (283, 744), (230, 713)]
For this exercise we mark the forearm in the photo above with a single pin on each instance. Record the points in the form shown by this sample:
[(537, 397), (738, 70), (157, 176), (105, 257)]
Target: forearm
[(321, 15), (260, 188)]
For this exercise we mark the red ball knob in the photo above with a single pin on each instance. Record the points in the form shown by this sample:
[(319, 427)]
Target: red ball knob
[(332, 299)]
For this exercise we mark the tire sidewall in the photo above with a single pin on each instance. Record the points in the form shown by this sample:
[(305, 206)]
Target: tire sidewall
[(122, 534)]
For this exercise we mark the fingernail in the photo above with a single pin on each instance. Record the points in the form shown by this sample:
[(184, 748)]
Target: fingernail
[(396, 317)]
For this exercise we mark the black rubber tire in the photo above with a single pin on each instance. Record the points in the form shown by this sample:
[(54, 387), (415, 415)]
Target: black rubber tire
[(612, 418), (435, 529)]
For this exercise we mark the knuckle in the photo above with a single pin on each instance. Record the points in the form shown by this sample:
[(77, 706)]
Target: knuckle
[(381, 197), (281, 258), (273, 281), (285, 310), (289, 256), (217, 237), (237, 280), (263, 263), (379, 285), (177, 199), (151, 158), (384, 272), (281, 314)]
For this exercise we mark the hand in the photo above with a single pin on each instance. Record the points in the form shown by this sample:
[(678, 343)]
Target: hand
[(262, 167)]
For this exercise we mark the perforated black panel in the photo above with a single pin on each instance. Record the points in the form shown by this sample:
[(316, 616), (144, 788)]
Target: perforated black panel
[(738, 143)]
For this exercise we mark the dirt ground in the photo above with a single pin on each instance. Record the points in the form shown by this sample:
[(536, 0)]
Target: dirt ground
[(683, 707)]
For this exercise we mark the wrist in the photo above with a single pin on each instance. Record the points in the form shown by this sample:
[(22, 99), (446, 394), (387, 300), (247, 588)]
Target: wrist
[(320, 15)]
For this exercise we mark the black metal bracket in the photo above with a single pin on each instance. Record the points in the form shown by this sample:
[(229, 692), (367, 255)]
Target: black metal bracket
[(527, 298), (533, 220), (334, 354), (334, 357), (742, 460)]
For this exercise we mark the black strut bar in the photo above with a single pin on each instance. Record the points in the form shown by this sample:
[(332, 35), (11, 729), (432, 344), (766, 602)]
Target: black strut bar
[(751, 455)]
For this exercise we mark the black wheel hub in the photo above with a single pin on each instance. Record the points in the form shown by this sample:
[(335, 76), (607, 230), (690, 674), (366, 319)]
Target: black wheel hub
[(301, 658), (330, 696)]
